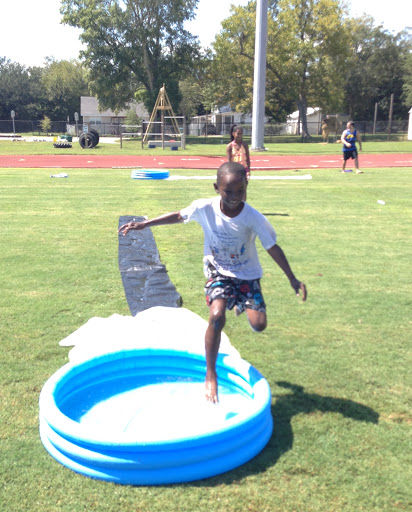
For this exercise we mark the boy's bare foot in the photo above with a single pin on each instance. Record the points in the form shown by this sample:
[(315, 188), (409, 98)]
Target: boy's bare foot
[(211, 389)]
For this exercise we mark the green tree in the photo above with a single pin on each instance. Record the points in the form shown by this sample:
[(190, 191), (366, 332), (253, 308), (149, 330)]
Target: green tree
[(231, 69), (45, 124), (132, 119), (316, 52), (63, 83), (304, 55), (55, 89), (38, 102), (133, 43), (376, 60), (191, 97), (20, 90), (199, 90), (407, 83)]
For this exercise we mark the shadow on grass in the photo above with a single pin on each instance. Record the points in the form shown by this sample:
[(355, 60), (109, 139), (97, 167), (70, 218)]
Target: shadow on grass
[(284, 409)]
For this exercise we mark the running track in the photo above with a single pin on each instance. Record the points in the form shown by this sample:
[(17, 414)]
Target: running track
[(258, 162)]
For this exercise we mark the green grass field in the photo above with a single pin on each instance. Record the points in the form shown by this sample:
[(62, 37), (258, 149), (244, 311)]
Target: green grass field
[(203, 146), (338, 365)]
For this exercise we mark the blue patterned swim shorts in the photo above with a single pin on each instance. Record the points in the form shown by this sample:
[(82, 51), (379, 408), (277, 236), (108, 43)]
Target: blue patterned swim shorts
[(237, 292)]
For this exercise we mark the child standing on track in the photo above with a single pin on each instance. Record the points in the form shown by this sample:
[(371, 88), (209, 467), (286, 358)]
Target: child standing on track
[(349, 138), (231, 262), (237, 150)]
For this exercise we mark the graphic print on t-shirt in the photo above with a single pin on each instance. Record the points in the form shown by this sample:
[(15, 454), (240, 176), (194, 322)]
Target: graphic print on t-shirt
[(227, 249)]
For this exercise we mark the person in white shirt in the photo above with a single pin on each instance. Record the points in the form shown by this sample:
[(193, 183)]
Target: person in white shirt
[(231, 263)]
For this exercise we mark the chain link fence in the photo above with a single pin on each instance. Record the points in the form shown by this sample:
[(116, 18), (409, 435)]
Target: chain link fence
[(398, 129), (274, 132), (56, 128)]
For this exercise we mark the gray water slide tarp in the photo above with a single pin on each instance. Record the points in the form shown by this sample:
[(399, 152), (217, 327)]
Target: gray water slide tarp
[(145, 279)]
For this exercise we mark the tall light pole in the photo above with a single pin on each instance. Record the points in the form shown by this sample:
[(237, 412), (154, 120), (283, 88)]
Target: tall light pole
[(258, 117)]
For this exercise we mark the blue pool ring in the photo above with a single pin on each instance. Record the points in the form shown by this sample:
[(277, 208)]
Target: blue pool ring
[(81, 423), (150, 174)]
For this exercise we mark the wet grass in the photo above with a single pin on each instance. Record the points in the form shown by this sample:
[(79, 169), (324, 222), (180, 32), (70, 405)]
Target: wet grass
[(338, 366)]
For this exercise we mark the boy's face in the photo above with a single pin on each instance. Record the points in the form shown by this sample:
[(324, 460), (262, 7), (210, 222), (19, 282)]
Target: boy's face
[(232, 190)]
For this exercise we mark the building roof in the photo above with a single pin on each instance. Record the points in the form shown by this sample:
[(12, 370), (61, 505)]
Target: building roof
[(89, 106), (309, 112), (225, 110)]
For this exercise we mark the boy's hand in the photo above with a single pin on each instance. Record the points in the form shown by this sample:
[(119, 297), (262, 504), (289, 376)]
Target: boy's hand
[(130, 225), (299, 288)]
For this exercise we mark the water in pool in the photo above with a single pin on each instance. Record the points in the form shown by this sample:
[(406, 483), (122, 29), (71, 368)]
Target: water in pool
[(153, 409)]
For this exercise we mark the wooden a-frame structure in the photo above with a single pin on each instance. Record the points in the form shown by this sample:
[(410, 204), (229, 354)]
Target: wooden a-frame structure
[(162, 105)]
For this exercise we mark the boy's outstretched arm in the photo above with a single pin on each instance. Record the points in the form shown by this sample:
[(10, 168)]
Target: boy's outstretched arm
[(168, 218), (279, 256)]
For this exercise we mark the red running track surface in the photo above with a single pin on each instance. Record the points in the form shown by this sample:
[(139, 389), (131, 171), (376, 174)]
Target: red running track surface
[(258, 162)]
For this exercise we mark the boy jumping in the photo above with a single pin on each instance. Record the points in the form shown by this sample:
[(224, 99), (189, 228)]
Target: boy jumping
[(231, 263)]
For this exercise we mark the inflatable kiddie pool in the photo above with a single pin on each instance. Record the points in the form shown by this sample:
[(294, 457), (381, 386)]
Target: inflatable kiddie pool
[(150, 174), (139, 416)]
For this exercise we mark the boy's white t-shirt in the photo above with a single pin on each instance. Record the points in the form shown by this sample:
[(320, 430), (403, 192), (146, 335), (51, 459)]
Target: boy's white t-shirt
[(229, 243)]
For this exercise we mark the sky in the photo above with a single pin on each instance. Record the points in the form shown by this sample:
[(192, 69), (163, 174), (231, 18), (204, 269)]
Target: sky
[(31, 31)]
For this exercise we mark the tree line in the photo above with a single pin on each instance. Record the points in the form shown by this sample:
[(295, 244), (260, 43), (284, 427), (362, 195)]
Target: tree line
[(34, 92), (316, 56)]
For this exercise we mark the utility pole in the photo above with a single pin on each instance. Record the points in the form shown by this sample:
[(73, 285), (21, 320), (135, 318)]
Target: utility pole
[(76, 118), (13, 115), (259, 83), (390, 117)]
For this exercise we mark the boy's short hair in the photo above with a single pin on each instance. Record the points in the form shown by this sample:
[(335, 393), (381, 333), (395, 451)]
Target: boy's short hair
[(231, 168)]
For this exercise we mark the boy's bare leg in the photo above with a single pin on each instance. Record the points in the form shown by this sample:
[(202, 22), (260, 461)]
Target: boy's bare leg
[(257, 319), (217, 318)]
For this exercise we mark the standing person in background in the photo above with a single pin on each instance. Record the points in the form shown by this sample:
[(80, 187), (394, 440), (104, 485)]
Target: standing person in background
[(349, 138), (325, 131), (237, 150)]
